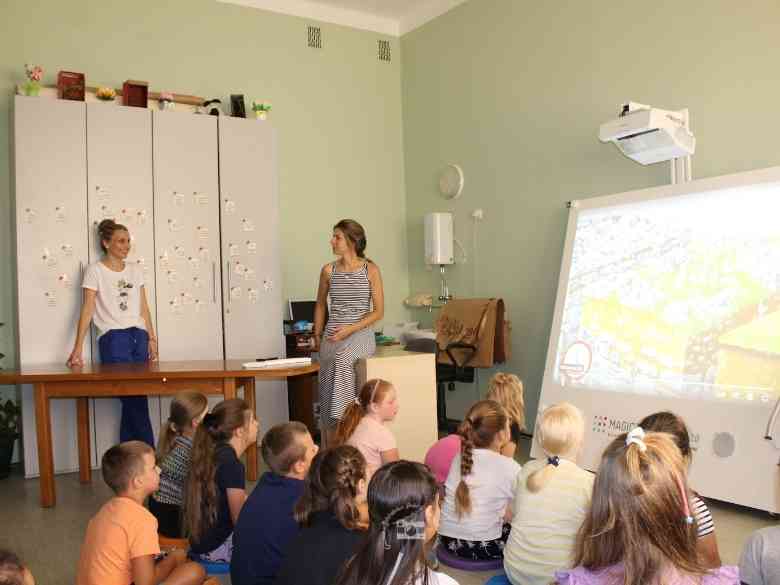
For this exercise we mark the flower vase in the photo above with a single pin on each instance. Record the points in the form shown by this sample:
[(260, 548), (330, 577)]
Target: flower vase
[(261, 115), (32, 88)]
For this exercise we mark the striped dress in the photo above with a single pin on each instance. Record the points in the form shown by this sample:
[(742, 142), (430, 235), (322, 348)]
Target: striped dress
[(350, 301)]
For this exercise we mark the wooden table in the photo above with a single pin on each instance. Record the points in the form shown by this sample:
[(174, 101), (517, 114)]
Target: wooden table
[(114, 380)]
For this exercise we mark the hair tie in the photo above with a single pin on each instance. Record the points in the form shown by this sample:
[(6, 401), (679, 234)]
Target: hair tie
[(357, 400), (209, 421), (684, 496), (554, 460), (636, 436), (373, 391)]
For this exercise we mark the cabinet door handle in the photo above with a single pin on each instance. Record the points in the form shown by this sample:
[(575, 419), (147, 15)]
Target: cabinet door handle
[(229, 286), (213, 282)]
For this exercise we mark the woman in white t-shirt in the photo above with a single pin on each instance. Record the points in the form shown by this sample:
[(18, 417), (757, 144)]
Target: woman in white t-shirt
[(480, 487), (403, 507), (115, 299)]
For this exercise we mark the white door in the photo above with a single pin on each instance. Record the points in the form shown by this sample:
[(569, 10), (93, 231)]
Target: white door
[(51, 243), (186, 226), (249, 208), (120, 187)]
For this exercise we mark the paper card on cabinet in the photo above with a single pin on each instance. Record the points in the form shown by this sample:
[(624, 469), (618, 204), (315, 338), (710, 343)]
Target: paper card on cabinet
[(175, 305), (51, 298), (194, 262), (174, 225), (251, 247), (29, 215), (64, 280), (249, 273), (106, 212), (178, 251), (235, 293), (172, 276), (187, 298), (196, 283), (67, 249), (203, 232), (140, 216), (247, 225), (59, 214), (268, 285), (164, 259), (200, 198), (198, 305), (233, 250), (204, 253), (230, 207), (252, 295), (178, 199)]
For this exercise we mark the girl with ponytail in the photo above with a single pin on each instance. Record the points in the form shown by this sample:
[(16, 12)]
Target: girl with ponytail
[(551, 499), (333, 517), (216, 482), (507, 390), (173, 458), (403, 507), (364, 424), (480, 486), (639, 529)]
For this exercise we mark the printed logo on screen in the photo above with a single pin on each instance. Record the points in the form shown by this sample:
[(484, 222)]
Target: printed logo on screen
[(612, 427)]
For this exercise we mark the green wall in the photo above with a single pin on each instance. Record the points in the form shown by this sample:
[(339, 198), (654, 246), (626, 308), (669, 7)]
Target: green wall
[(515, 91), (337, 110)]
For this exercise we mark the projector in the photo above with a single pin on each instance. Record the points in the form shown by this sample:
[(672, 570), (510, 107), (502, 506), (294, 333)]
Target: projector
[(649, 135)]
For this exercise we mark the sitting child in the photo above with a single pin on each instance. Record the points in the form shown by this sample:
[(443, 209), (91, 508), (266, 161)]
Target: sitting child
[(507, 390), (667, 422), (364, 424), (759, 563), (173, 457), (403, 504), (480, 486), (12, 571), (121, 542), (216, 483), (639, 529), (552, 497), (266, 524), (329, 513)]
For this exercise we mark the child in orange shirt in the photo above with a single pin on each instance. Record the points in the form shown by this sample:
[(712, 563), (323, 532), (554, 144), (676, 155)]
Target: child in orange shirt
[(121, 542)]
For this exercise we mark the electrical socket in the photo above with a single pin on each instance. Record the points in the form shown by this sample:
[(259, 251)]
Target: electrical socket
[(478, 214)]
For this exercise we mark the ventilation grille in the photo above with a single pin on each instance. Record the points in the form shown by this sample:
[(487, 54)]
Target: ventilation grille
[(315, 37), (383, 50)]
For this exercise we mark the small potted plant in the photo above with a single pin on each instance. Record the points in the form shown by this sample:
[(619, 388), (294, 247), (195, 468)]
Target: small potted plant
[(105, 94), (34, 75), (261, 109), (9, 432)]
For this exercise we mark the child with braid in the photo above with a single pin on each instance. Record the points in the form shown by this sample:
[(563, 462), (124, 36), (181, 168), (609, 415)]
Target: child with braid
[(332, 515), (480, 486), (552, 497), (403, 505), (364, 424), (639, 529)]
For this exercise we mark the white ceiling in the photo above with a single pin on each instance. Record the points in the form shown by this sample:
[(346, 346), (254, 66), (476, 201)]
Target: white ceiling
[(390, 17)]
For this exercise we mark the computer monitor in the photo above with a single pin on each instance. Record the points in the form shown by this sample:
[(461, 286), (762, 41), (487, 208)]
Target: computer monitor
[(302, 310)]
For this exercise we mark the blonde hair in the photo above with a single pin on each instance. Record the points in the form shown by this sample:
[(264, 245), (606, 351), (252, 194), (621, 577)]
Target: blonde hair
[(638, 513), (483, 422), (507, 390), (559, 433), (372, 392), (186, 406)]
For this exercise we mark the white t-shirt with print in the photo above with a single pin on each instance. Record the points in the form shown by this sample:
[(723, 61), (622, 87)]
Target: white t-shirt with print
[(118, 300), (492, 483)]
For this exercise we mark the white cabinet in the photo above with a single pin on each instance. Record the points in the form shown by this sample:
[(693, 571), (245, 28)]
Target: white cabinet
[(51, 242), (120, 187), (186, 188), (249, 210)]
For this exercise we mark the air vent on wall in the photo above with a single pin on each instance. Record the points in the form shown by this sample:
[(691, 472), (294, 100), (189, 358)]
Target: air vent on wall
[(315, 37), (383, 50)]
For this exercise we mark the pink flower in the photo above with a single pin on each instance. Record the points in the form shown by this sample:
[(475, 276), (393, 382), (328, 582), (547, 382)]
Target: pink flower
[(34, 72)]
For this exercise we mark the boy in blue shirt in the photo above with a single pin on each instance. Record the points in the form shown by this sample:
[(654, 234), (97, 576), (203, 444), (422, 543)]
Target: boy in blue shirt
[(266, 525)]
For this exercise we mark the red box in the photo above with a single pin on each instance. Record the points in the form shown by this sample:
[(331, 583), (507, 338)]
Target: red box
[(71, 86), (135, 93)]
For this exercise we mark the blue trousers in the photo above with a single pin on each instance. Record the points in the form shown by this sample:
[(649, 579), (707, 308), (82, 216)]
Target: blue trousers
[(122, 346)]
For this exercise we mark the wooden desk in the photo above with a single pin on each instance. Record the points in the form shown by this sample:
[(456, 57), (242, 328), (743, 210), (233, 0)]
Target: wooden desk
[(113, 380)]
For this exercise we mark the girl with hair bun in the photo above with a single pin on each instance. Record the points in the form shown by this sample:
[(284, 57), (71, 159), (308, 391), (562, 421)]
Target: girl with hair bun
[(216, 485), (173, 458), (639, 529), (333, 517), (552, 497), (403, 508), (115, 299), (480, 486), (353, 284)]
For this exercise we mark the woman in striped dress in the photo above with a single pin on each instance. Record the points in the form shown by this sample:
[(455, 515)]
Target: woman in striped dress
[(354, 285)]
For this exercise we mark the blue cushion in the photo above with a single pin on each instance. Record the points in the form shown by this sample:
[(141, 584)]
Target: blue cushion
[(456, 562), (215, 568), (498, 580)]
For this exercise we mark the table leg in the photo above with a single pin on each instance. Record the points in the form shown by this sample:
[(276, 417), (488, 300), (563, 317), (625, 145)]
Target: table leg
[(229, 388), (85, 459), (251, 452), (45, 449)]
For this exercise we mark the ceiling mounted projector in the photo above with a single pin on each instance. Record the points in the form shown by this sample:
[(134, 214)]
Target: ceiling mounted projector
[(650, 135)]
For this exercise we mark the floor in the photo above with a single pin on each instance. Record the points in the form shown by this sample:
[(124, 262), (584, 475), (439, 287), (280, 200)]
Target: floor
[(48, 540)]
